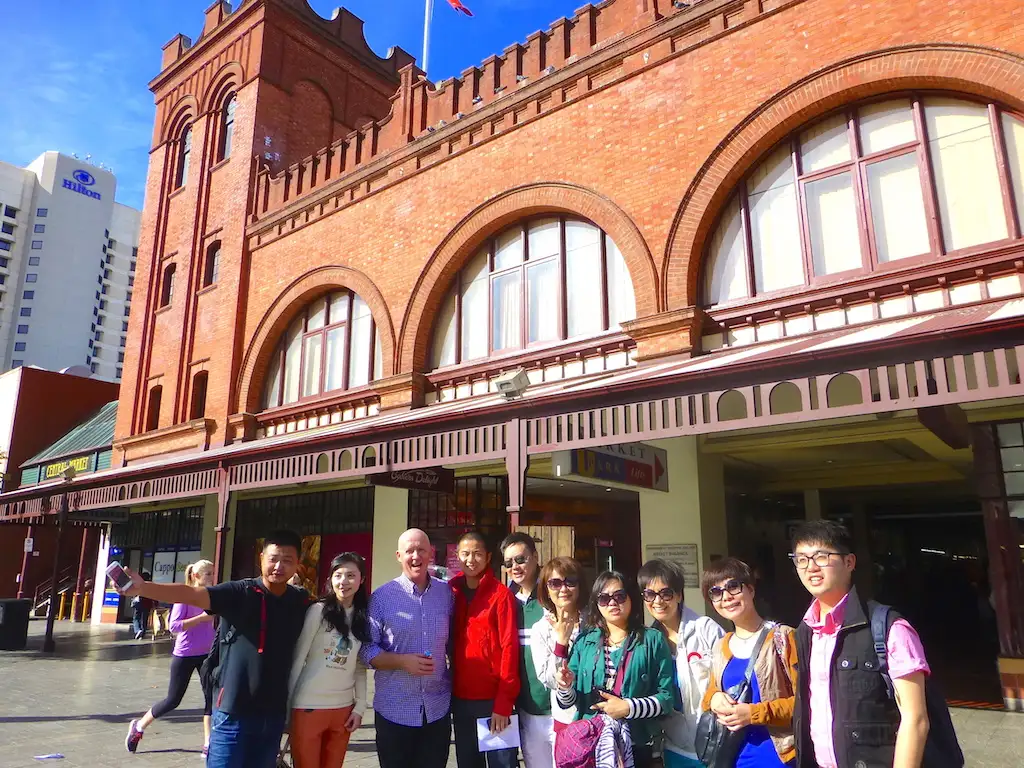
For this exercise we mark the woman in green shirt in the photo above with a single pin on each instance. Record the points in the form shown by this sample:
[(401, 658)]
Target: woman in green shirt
[(616, 632)]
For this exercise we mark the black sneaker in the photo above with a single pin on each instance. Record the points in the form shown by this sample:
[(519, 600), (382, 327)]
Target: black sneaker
[(131, 742)]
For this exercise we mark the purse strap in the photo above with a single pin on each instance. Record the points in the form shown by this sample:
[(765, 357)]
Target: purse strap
[(620, 671), (752, 661)]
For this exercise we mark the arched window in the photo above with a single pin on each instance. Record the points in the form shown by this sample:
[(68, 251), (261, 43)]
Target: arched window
[(198, 405), (540, 281), (227, 127), (332, 345), (167, 285), (184, 157), (211, 267), (153, 408), (878, 186)]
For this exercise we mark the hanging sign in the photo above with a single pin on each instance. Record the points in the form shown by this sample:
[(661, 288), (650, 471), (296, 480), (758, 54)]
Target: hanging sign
[(635, 464), (436, 479)]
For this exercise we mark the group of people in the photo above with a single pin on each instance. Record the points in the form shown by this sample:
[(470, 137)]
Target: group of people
[(549, 650)]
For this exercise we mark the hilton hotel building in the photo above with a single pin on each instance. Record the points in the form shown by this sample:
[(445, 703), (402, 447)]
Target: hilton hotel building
[(67, 266)]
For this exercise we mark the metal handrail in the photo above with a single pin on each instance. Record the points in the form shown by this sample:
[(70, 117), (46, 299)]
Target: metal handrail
[(65, 581)]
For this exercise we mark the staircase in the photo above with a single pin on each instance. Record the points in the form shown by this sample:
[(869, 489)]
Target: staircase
[(65, 583)]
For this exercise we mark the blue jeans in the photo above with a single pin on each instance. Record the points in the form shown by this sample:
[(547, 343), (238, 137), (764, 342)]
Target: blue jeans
[(140, 619), (252, 741)]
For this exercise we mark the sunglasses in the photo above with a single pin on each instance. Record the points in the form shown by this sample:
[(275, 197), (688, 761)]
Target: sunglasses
[(666, 594), (518, 560), (733, 587), (570, 582), (619, 597)]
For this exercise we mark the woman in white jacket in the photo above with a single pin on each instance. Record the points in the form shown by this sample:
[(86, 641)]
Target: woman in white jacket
[(563, 592), (692, 639)]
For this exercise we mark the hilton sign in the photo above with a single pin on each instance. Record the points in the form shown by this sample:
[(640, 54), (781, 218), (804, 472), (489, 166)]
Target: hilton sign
[(82, 181)]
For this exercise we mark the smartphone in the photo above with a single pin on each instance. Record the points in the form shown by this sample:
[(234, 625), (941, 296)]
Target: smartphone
[(119, 577)]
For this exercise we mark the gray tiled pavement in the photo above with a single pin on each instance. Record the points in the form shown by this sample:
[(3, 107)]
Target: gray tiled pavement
[(79, 702)]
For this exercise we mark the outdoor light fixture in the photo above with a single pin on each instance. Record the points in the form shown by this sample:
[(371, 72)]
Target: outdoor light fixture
[(513, 383)]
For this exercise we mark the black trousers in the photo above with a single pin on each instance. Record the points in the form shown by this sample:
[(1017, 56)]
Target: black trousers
[(465, 713), (403, 746), (182, 668)]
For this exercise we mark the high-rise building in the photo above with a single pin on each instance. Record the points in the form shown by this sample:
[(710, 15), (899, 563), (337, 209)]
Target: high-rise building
[(67, 265)]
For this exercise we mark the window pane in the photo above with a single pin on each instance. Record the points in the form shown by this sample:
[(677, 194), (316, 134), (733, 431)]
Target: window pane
[(335, 378), (292, 359), (966, 179), (545, 238), (378, 358), (359, 354), (832, 220), (621, 300), (726, 275), (775, 227), (311, 347), (273, 394), (897, 208), (579, 234), (886, 125), (339, 308), (544, 305), (1013, 134), (444, 334), (474, 309), (508, 250), (824, 145), (317, 314), (507, 300), (583, 290)]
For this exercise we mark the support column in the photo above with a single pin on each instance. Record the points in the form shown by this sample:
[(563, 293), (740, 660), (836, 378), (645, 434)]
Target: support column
[(24, 565), (390, 520), (222, 529), (517, 461), (78, 601), (100, 585), (692, 512)]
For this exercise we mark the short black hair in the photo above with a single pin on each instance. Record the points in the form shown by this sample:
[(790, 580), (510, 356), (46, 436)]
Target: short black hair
[(519, 538), (476, 536), (284, 538), (635, 620), (725, 569), (829, 533), (666, 571)]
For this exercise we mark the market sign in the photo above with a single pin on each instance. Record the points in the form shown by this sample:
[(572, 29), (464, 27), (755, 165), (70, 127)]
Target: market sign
[(635, 464), (436, 479), (81, 464)]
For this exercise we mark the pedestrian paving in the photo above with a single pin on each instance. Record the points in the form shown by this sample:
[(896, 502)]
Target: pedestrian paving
[(79, 701)]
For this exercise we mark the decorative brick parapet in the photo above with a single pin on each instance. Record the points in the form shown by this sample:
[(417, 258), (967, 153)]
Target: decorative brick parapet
[(667, 334), (402, 392), (189, 436)]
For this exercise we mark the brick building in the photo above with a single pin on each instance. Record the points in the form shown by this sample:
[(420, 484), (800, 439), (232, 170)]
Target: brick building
[(741, 262)]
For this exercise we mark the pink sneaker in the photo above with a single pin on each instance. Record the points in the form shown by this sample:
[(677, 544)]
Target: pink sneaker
[(131, 742)]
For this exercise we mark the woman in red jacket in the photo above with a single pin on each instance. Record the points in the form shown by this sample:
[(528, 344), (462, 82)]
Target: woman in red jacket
[(485, 655)]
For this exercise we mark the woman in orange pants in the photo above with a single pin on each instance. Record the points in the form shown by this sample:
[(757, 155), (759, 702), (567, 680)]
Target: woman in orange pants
[(327, 688)]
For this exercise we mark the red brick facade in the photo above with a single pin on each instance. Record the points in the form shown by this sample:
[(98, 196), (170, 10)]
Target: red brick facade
[(634, 114)]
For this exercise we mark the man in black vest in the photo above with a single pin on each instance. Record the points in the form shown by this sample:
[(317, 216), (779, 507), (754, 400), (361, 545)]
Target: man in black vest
[(844, 716)]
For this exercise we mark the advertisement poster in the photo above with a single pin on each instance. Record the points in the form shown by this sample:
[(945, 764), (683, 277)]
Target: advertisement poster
[(451, 561), (309, 564), (163, 567)]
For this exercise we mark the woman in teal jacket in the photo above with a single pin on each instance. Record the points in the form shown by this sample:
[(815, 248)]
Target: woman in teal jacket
[(616, 628)]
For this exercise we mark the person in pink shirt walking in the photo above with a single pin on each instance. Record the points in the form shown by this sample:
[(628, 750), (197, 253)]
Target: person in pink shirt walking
[(845, 716)]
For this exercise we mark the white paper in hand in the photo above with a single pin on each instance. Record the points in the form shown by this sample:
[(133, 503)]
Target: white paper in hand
[(507, 739)]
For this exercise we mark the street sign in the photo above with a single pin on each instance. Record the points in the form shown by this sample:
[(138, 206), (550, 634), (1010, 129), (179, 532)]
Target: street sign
[(29, 543), (636, 464)]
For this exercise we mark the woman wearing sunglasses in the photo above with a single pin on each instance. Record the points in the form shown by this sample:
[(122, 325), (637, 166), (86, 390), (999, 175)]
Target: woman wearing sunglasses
[(563, 594), (618, 652), (766, 717), (691, 639)]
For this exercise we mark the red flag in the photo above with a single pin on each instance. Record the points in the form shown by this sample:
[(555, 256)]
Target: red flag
[(458, 6)]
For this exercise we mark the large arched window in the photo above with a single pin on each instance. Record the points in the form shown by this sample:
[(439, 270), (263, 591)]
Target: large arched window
[(331, 346), (184, 157), (877, 186), (227, 127), (540, 281)]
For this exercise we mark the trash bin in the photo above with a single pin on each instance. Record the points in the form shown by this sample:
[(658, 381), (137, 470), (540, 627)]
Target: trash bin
[(14, 624)]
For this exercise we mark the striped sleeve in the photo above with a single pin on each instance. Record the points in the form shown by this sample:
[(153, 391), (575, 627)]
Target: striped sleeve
[(567, 698), (644, 708)]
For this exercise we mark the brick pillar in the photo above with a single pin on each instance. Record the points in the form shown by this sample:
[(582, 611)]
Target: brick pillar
[(996, 468)]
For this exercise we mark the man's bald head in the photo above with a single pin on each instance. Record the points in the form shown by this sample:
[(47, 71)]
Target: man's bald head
[(414, 555)]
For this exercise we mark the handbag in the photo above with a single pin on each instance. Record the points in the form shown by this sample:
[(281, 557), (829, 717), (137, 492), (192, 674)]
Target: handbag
[(715, 745), (284, 757)]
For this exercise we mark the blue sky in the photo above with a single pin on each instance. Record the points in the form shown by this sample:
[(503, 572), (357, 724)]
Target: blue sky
[(76, 72)]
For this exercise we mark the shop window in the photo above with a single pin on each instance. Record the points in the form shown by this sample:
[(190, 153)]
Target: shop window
[(198, 409), (167, 285), (331, 346), (884, 184), (184, 157), (211, 269), (541, 281), (227, 127), (153, 408)]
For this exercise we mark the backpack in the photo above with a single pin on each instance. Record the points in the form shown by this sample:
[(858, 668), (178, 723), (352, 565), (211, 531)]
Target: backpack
[(209, 670), (941, 750)]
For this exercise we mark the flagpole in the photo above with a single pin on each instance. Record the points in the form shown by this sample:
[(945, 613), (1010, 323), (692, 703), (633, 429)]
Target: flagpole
[(428, 14)]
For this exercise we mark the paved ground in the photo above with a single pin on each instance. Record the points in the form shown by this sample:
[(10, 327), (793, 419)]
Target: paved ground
[(79, 701)]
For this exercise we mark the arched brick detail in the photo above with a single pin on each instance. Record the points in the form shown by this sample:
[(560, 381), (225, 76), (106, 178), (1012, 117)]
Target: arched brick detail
[(296, 296), (229, 78), (493, 216), (184, 111), (970, 70)]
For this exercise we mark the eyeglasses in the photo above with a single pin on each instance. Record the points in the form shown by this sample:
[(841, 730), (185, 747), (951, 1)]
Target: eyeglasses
[(619, 597), (666, 594), (570, 582), (518, 560), (733, 587), (820, 559)]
